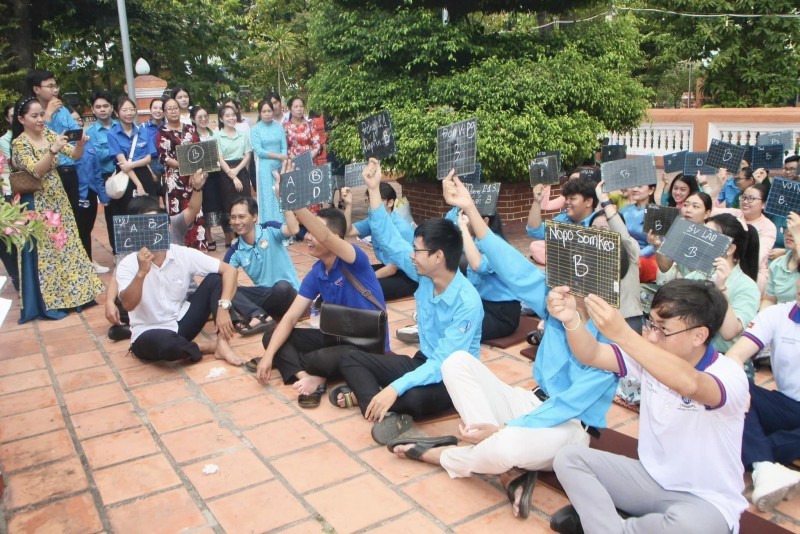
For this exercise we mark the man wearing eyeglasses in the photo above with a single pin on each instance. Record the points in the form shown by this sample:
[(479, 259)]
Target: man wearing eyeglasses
[(42, 84), (689, 476), (790, 167)]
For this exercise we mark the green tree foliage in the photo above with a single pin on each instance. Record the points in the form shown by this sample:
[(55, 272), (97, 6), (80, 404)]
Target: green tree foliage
[(744, 61), (530, 92), (10, 75)]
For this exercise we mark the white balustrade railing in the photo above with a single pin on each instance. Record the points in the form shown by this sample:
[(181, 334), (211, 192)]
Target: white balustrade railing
[(747, 134), (658, 139)]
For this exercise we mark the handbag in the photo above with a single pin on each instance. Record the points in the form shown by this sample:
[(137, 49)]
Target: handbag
[(343, 325), (117, 183), (23, 182)]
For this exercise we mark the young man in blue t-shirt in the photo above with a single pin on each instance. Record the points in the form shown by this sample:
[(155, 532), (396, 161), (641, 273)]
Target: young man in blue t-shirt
[(300, 354), (260, 252)]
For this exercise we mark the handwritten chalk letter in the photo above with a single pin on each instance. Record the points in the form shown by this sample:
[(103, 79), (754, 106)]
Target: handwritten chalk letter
[(132, 232), (675, 162), (193, 156), (352, 175), (303, 188), (377, 136), (694, 246), (585, 259), (629, 172), (722, 155), (659, 219), (696, 162), (485, 197), (544, 170), (784, 198), (457, 148)]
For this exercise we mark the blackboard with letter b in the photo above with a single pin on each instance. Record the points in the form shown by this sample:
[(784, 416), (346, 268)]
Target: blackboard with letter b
[(132, 232), (377, 136), (485, 197), (784, 198), (192, 156), (694, 246), (303, 188)]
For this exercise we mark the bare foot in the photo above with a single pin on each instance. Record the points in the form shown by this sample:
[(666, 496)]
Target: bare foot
[(431, 456), (507, 478), (225, 352), (207, 348), (340, 400), (255, 321), (308, 384)]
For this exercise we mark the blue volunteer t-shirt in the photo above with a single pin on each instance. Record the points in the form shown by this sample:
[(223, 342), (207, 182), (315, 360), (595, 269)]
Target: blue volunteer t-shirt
[(267, 261)]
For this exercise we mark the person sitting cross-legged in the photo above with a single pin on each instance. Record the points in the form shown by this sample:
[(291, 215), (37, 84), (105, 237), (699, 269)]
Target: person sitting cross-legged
[(510, 431), (772, 426), (300, 354), (689, 476), (165, 320), (261, 253), (391, 390)]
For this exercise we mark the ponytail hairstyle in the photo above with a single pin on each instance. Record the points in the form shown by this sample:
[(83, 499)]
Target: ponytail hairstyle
[(746, 242)]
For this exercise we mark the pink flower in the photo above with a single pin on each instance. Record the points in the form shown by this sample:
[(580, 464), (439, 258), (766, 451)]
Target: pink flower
[(52, 218), (59, 238), (31, 214), (8, 230)]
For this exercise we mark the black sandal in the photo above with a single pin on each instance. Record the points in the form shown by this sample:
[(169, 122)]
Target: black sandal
[(528, 481), (344, 390), (245, 329), (313, 400), (421, 445)]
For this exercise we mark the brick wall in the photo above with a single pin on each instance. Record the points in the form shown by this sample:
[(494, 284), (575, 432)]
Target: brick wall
[(513, 205)]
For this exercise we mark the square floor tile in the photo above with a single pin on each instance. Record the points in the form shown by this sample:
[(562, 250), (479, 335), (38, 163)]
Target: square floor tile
[(45, 483), (85, 378), (353, 432), (119, 447), (40, 449), (260, 509), (95, 398), (19, 343), (26, 401), (357, 503), (169, 512), (105, 421), (452, 500), (503, 520), (135, 478), (284, 436), (179, 415), (75, 362), (237, 469), (317, 467), (257, 410), (75, 515), (199, 372), (199, 441), (30, 423), (161, 393)]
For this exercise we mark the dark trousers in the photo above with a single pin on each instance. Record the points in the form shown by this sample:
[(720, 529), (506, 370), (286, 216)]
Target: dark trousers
[(84, 218), (395, 287), (274, 301), (70, 181), (367, 374), (771, 428), (161, 344), (305, 350), (500, 319)]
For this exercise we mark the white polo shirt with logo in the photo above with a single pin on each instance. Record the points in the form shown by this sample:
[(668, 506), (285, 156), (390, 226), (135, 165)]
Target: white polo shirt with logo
[(780, 326)]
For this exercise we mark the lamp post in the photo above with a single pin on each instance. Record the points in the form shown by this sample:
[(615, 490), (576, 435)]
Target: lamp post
[(126, 48)]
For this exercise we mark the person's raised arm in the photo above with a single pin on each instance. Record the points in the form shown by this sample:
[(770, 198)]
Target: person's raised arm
[(669, 369), (471, 251), (456, 194), (583, 344), (535, 213), (341, 248), (347, 198), (197, 181), (291, 227)]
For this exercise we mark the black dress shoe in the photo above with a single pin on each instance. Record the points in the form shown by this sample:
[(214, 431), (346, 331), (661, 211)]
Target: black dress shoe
[(566, 521), (118, 332)]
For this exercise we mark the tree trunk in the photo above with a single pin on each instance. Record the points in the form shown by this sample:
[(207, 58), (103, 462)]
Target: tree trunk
[(21, 37)]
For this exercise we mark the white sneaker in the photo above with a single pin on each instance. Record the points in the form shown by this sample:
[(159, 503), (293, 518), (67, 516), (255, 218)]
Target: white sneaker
[(99, 269), (408, 334), (772, 483)]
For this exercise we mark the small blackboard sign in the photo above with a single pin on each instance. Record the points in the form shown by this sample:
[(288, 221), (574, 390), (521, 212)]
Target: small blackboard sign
[(303, 188), (377, 136), (303, 161), (337, 181), (585, 259), (748, 155), (352, 175), (768, 157), (192, 156), (544, 170), (722, 155), (545, 153), (659, 219), (785, 138), (629, 172), (784, 198), (474, 178), (132, 232), (613, 152), (675, 162), (694, 246), (485, 197), (457, 148), (696, 162)]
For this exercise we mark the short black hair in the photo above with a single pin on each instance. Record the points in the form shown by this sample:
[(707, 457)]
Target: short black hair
[(387, 192), (334, 220), (105, 95), (144, 204), (442, 234), (250, 202), (697, 302), (792, 159), (35, 78), (583, 187)]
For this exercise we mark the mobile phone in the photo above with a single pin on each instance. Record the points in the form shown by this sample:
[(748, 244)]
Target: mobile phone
[(74, 135)]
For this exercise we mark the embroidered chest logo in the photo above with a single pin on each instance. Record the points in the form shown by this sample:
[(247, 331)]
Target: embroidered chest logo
[(339, 282)]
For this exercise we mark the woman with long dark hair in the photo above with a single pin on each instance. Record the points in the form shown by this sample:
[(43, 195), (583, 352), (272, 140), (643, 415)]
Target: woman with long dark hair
[(181, 96), (679, 190), (269, 146), (178, 188), (234, 156), (54, 278)]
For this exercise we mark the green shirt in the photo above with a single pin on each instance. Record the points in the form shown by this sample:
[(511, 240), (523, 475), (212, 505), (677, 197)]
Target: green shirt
[(233, 148), (782, 283)]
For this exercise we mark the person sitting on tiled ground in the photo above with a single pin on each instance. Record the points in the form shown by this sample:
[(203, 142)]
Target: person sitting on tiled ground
[(394, 282), (259, 250), (391, 390), (689, 476), (772, 426), (514, 432), (300, 354), (165, 320)]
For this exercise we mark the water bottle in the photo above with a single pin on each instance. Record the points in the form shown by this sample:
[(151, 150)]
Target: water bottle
[(314, 318)]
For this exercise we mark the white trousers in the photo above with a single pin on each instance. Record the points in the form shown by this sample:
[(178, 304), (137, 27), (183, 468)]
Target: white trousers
[(481, 397)]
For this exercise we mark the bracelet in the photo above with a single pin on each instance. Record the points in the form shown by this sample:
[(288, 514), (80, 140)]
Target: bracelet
[(50, 149), (605, 203), (196, 189), (578, 315)]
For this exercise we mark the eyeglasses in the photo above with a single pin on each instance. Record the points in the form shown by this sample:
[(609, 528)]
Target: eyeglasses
[(648, 324), (748, 199), (50, 86), (416, 251), (171, 109)]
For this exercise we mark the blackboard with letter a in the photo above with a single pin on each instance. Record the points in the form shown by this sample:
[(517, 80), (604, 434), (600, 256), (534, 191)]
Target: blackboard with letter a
[(132, 232), (585, 259), (303, 188)]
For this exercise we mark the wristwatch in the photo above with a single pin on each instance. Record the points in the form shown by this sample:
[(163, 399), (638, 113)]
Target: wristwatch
[(605, 203), (224, 304)]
